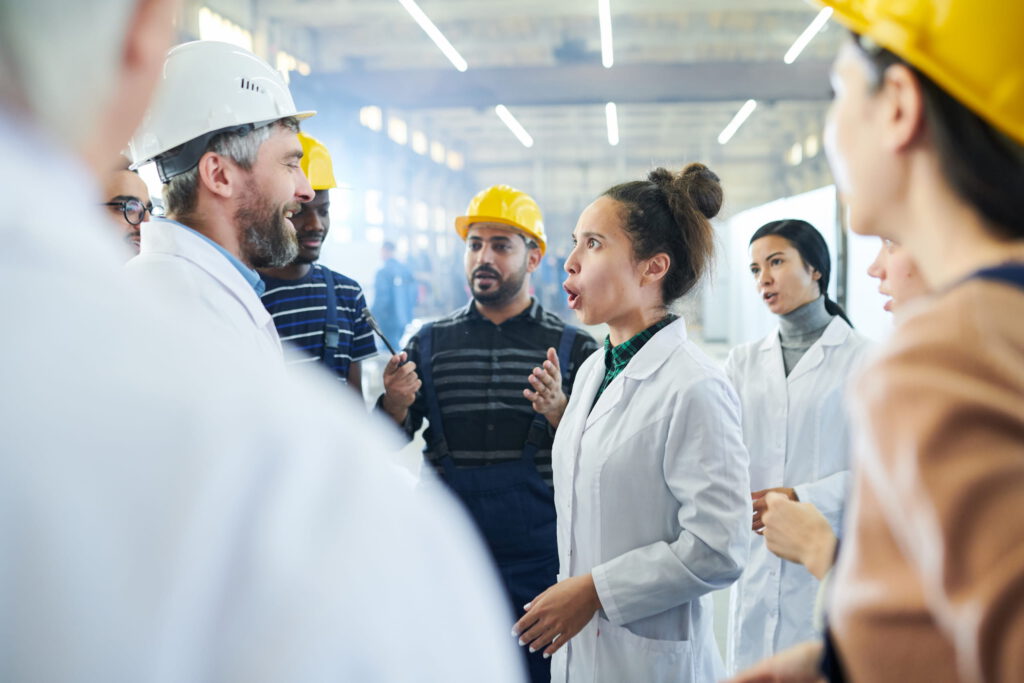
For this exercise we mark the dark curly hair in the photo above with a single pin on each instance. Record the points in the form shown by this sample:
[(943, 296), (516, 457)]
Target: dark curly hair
[(671, 213)]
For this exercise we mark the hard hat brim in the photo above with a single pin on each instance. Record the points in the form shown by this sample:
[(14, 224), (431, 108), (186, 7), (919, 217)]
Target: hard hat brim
[(463, 223), (897, 38), (258, 124)]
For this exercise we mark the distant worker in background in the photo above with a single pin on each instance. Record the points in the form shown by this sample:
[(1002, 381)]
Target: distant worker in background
[(127, 200), (222, 131), (488, 437), (394, 295), (792, 386), (169, 512), (317, 311)]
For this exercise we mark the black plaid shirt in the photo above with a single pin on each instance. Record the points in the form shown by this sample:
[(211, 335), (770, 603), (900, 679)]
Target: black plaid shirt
[(480, 370)]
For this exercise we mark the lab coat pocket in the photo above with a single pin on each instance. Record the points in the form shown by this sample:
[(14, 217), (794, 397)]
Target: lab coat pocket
[(625, 656)]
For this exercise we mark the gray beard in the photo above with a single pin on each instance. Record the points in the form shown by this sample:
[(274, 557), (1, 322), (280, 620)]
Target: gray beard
[(267, 240)]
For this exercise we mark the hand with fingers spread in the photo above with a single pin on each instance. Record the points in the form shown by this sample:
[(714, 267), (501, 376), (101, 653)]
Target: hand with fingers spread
[(547, 396), (556, 615), (760, 505), (400, 386)]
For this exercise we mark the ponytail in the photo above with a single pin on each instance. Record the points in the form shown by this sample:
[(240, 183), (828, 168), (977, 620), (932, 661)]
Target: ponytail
[(832, 308)]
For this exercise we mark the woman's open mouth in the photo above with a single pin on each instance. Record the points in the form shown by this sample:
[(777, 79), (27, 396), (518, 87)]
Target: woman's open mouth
[(574, 297)]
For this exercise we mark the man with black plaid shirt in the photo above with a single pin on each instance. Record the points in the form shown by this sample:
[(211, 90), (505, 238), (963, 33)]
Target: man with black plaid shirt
[(489, 435)]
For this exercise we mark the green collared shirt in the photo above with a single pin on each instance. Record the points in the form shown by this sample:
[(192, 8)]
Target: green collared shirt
[(616, 358)]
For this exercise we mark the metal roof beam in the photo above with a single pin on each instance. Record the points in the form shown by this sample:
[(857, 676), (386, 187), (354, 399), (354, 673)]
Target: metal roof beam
[(574, 84)]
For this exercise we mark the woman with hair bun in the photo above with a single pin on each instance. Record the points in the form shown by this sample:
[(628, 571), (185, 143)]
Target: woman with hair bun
[(791, 385), (650, 471)]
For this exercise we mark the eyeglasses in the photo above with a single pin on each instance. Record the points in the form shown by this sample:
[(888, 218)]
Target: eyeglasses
[(134, 210)]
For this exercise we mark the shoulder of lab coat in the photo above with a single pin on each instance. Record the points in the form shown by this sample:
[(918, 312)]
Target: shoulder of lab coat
[(178, 266), (194, 517), (705, 469)]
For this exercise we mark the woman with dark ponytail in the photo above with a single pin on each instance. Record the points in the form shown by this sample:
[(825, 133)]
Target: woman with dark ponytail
[(813, 252), (650, 471), (791, 386)]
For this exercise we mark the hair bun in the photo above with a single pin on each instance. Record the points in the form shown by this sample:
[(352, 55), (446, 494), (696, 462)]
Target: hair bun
[(703, 187), (696, 187)]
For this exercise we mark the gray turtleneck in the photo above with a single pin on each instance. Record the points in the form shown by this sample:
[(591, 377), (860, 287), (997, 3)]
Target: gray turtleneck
[(800, 328)]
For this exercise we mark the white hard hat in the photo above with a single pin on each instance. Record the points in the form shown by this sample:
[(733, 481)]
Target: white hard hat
[(208, 87)]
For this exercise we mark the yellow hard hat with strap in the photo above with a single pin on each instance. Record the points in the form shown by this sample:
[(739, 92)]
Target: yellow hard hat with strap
[(316, 163), (972, 49), (507, 206)]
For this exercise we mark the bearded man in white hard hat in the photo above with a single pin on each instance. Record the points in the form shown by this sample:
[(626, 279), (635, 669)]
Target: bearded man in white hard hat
[(222, 132), (169, 512)]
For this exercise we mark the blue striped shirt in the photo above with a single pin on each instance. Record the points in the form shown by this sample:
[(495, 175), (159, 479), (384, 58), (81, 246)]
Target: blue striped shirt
[(299, 307)]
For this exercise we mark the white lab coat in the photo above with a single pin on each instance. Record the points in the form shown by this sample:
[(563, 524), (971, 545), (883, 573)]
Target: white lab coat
[(796, 431), (169, 513), (650, 489), (176, 264)]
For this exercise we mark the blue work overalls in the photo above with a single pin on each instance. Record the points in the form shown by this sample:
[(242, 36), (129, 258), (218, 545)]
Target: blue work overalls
[(513, 506)]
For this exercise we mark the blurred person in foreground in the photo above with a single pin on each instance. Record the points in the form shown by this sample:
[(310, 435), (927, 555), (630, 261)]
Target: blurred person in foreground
[(169, 513), (926, 140)]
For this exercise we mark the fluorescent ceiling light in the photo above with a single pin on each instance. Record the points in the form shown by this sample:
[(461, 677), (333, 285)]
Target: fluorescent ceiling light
[(517, 128), (812, 30), (612, 116), (745, 111), (435, 34), (604, 13)]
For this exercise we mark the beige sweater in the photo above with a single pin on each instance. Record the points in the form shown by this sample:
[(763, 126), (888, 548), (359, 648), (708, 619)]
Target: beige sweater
[(930, 581)]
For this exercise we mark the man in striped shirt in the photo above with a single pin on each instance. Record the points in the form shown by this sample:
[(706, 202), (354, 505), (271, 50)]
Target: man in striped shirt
[(318, 312), (492, 380)]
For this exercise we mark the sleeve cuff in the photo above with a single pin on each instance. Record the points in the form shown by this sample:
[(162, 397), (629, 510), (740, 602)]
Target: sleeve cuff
[(406, 425), (604, 594)]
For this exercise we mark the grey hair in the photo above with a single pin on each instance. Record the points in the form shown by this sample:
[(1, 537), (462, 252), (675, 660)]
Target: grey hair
[(41, 66), (182, 191)]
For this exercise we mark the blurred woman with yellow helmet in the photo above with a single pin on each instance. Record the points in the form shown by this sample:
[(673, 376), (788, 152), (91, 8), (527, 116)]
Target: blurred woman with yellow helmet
[(926, 140)]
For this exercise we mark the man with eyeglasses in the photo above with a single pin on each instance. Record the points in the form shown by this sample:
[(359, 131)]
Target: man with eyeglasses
[(128, 203)]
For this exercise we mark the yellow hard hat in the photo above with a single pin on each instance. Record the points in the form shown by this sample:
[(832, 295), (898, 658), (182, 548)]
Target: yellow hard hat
[(971, 48), (316, 163), (508, 206)]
